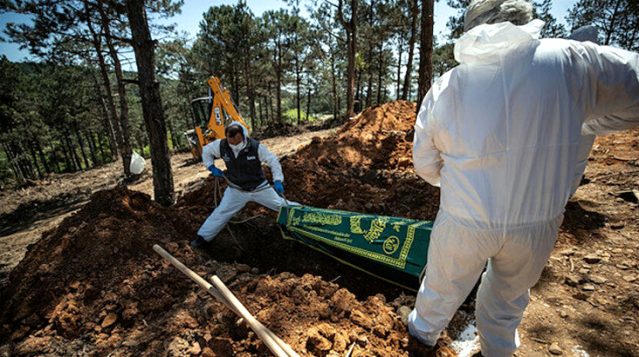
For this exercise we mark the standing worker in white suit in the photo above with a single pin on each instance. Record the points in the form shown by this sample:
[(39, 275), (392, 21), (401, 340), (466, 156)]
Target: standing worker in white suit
[(243, 157), (500, 133)]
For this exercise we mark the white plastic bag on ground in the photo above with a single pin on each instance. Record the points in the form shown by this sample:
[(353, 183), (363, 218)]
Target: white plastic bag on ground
[(137, 164)]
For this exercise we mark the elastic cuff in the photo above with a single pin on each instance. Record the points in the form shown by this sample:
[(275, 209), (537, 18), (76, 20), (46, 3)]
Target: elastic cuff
[(424, 338)]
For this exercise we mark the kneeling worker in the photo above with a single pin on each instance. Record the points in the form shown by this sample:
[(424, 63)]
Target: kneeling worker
[(243, 157)]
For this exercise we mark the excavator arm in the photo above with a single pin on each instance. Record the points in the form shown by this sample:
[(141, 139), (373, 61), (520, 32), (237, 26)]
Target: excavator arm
[(223, 108), (221, 111)]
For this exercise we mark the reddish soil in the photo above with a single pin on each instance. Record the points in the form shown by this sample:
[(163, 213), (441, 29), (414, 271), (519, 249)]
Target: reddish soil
[(366, 167), (94, 285)]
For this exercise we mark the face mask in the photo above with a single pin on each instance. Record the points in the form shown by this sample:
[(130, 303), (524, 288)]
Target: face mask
[(236, 147)]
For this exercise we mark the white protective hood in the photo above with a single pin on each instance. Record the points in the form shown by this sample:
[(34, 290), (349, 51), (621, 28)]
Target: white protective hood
[(244, 130), (237, 148), (485, 42)]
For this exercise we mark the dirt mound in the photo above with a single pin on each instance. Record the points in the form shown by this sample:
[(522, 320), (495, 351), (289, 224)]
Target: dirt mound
[(75, 271), (366, 166), (95, 285)]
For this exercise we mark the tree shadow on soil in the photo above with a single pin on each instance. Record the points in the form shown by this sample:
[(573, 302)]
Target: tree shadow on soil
[(542, 331), (602, 337), (29, 214), (578, 219)]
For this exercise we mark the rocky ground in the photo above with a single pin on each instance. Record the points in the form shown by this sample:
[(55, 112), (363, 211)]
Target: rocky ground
[(587, 301), (93, 285)]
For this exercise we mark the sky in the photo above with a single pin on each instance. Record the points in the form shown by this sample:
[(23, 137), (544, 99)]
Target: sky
[(192, 10)]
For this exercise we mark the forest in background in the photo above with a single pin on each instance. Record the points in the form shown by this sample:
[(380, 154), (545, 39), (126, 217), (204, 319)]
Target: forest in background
[(79, 105)]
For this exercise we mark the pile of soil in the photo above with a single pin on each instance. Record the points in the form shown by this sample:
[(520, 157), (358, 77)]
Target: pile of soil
[(93, 268), (366, 166)]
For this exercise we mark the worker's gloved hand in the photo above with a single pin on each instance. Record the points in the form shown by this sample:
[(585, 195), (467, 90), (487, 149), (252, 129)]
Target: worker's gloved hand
[(278, 186), (215, 171)]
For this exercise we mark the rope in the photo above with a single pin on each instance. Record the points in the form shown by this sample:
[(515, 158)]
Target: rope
[(217, 190)]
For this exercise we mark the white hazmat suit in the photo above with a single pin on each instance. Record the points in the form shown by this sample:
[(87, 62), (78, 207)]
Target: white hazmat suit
[(234, 198), (500, 133)]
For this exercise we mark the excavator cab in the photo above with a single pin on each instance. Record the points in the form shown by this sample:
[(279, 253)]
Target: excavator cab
[(210, 116), (201, 110)]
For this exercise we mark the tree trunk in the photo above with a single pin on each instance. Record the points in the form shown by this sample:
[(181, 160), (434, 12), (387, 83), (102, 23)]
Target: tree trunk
[(351, 40), (87, 165), (77, 165), (425, 51), (26, 163), (115, 122), (273, 115), (350, 74), (308, 102), (93, 147), (358, 92), (339, 104), (400, 47), (235, 81), (264, 104), (20, 177), (100, 146), (125, 150), (369, 89), (142, 138), (68, 162), (414, 10), (152, 109), (106, 122), (334, 86), (92, 150), (23, 168), (298, 79), (612, 26), (56, 161), (261, 110), (380, 73), (250, 92), (278, 76), (43, 157), (35, 161), (174, 139)]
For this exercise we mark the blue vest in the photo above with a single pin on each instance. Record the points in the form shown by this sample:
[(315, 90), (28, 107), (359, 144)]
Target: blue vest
[(245, 170)]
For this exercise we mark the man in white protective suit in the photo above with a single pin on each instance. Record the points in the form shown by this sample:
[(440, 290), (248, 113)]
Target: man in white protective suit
[(501, 133), (243, 157)]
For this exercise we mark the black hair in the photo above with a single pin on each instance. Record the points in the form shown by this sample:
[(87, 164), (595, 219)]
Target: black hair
[(233, 130)]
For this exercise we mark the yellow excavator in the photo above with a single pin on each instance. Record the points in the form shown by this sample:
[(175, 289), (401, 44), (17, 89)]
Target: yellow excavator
[(211, 114)]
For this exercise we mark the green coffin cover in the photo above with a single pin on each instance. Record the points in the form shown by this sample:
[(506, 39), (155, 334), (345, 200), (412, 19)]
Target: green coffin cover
[(390, 248)]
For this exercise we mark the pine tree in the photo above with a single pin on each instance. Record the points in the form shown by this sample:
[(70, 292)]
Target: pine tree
[(616, 20)]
